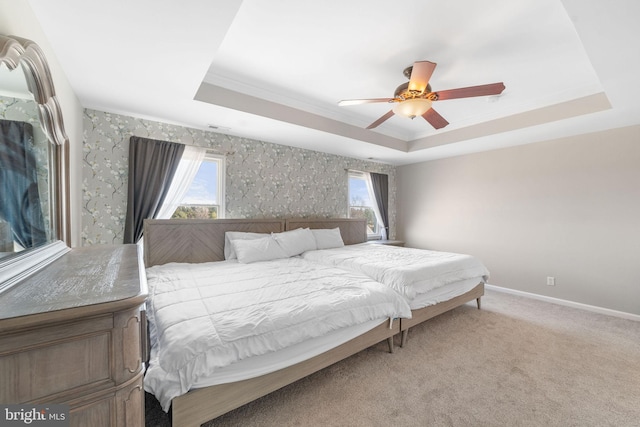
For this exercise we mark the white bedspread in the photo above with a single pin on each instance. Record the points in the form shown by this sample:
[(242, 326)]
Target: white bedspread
[(409, 271), (207, 316)]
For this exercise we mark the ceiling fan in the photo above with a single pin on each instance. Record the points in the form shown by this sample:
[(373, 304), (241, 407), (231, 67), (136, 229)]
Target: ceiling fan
[(414, 98)]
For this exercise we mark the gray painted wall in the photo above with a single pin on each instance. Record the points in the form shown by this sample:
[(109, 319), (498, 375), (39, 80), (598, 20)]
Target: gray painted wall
[(567, 208)]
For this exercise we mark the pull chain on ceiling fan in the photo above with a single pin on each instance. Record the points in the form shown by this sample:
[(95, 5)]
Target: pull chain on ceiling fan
[(415, 97)]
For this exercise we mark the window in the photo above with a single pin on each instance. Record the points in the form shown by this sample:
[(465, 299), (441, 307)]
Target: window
[(205, 197), (362, 202)]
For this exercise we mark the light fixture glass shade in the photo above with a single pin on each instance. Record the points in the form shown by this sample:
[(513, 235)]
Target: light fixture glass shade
[(412, 107)]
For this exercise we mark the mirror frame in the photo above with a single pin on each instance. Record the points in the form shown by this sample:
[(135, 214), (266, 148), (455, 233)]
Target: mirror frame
[(16, 53)]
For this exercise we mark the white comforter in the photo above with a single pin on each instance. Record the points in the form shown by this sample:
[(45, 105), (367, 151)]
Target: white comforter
[(207, 316), (409, 271)]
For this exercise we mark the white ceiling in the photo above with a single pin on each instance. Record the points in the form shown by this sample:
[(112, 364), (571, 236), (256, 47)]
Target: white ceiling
[(275, 70)]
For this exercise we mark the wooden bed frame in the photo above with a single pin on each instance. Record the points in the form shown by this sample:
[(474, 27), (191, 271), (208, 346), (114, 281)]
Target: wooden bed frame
[(202, 241)]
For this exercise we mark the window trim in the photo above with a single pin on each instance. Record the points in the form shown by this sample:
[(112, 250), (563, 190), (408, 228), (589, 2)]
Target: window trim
[(222, 161)]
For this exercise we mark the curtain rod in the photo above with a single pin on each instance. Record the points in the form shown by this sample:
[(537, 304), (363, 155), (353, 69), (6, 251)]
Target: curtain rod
[(359, 171), (206, 149), (221, 153)]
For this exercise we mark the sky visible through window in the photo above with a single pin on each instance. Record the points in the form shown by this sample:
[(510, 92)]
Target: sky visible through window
[(203, 190), (358, 192)]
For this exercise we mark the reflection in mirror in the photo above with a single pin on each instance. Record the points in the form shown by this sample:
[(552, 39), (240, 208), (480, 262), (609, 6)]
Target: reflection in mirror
[(25, 217), (33, 165)]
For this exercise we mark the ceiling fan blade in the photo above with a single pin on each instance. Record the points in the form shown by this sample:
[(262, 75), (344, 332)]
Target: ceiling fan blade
[(471, 91), (435, 119), (362, 101), (381, 120), (420, 75)]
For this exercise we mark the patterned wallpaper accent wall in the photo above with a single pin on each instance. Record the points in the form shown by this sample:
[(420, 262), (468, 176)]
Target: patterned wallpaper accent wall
[(263, 180)]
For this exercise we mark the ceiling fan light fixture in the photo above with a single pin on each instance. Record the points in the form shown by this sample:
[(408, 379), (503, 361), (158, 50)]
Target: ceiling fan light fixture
[(412, 107), (414, 97)]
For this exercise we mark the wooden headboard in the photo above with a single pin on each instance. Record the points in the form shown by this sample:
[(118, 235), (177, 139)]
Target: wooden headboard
[(353, 230), (202, 240), (196, 240)]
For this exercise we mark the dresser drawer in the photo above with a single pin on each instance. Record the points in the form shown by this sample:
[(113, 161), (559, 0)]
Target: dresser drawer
[(58, 359), (49, 363)]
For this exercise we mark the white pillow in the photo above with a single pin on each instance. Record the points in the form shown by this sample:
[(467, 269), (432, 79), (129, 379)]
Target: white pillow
[(296, 241), (327, 238), (253, 250), (229, 236)]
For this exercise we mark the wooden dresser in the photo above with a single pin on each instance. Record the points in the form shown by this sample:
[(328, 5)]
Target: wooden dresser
[(73, 333)]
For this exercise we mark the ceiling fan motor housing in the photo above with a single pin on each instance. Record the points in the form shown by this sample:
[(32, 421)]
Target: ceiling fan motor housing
[(404, 93)]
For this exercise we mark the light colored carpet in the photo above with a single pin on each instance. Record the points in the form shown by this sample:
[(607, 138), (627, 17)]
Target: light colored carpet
[(516, 362)]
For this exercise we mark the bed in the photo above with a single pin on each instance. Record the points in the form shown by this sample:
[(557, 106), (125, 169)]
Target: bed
[(432, 282), (187, 273)]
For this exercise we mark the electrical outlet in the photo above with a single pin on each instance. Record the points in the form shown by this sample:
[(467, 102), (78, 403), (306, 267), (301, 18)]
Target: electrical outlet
[(551, 281)]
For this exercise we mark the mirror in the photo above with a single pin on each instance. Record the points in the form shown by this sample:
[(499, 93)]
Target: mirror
[(34, 229)]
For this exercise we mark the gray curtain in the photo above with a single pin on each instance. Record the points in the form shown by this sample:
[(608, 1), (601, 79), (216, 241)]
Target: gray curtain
[(152, 165), (380, 184), (20, 205)]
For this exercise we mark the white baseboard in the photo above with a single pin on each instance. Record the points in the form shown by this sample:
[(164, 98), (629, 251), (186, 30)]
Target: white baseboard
[(593, 308)]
